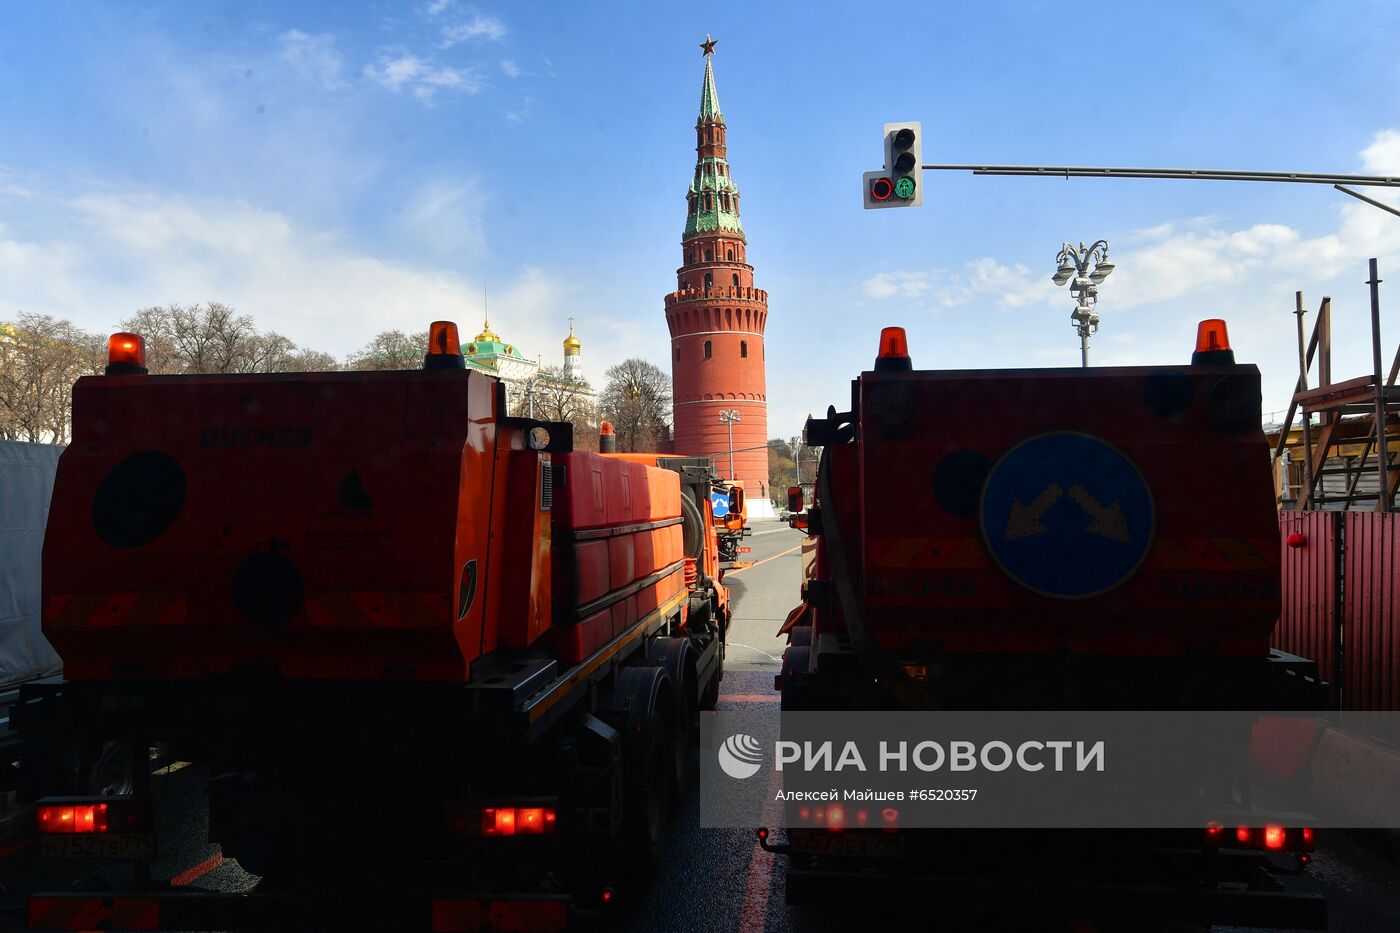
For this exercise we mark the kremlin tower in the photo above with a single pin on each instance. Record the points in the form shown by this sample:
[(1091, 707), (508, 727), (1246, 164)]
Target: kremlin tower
[(717, 318)]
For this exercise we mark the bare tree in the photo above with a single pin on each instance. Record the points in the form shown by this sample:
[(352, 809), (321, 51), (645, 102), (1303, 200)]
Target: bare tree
[(557, 396), (213, 338), (391, 349), (637, 400), (40, 359)]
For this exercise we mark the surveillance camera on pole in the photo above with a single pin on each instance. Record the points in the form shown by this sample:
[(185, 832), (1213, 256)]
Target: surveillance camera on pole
[(899, 183)]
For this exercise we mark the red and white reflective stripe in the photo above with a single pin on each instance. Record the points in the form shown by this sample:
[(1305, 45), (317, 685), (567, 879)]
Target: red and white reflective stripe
[(94, 913)]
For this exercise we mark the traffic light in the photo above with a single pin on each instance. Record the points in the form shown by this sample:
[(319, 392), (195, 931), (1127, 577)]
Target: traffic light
[(898, 185)]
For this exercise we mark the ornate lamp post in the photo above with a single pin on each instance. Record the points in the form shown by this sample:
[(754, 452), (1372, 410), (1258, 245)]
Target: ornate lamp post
[(1074, 265), (728, 417)]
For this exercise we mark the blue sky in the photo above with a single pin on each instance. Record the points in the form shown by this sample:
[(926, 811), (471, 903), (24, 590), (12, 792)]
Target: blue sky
[(338, 169)]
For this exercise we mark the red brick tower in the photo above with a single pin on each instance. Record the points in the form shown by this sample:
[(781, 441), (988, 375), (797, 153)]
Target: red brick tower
[(717, 317)]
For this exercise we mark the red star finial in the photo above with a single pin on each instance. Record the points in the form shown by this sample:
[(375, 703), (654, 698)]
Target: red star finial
[(708, 45)]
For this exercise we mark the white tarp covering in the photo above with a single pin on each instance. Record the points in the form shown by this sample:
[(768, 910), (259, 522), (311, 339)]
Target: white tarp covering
[(26, 486)]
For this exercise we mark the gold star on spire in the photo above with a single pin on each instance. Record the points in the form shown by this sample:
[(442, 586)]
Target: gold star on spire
[(708, 46)]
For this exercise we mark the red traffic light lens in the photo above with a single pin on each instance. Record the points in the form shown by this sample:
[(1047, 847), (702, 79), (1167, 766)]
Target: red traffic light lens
[(881, 189)]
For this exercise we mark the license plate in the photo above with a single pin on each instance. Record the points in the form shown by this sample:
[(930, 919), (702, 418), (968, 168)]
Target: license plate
[(849, 845), (113, 847)]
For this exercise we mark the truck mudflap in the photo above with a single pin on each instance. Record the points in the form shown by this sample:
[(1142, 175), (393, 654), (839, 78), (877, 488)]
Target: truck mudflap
[(1008, 900), (190, 910)]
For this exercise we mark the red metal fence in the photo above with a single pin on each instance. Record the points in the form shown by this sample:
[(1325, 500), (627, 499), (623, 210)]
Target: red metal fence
[(1341, 601), (1371, 611), (1309, 624)]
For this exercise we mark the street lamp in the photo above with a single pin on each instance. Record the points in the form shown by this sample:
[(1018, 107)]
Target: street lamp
[(728, 417), (1074, 264)]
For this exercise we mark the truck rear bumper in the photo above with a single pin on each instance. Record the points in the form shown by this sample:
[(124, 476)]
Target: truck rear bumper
[(994, 902), (191, 910)]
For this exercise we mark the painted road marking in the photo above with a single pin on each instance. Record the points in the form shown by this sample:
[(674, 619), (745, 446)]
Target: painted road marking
[(758, 563), (190, 875), (753, 917)]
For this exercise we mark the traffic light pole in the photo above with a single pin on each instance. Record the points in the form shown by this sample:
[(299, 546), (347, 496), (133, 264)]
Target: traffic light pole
[(1069, 171), (1189, 174)]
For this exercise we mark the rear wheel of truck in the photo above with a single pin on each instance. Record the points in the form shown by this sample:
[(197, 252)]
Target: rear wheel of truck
[(649, 797)]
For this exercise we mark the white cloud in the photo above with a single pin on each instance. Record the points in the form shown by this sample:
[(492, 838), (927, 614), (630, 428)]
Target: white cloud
[(398, 70), (102, 256), (479, 26), (510, 69), (1011, 286), (890, 284), (437, 6), (314, 56)]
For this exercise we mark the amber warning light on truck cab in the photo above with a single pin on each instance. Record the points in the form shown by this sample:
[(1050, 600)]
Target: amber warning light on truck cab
[(444, 347), (894, 352), (126, 355), (1213, 344)]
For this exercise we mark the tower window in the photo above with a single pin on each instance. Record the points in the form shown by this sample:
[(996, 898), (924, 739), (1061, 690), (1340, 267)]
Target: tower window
[(709, 350), (744, 348), (731, 257), (708, 280), (709, 256), (736, 280)]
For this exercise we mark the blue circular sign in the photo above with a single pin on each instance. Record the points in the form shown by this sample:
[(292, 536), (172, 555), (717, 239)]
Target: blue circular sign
[(1067, 515), (719, 503)]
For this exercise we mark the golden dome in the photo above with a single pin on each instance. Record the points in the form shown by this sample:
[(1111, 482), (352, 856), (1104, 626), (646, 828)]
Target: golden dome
[(571, 342), (487, 333)]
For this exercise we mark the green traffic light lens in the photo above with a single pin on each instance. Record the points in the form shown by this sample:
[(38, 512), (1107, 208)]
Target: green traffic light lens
[(904, 188)]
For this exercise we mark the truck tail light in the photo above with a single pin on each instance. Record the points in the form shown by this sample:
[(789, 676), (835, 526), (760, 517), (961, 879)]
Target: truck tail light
[(444, 347), (71, 815), (518, 821), (88, 818), (126, 354), (1272, 837)]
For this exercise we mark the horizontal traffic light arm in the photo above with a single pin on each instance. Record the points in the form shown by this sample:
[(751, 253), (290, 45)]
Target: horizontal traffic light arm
[(1069, 171)]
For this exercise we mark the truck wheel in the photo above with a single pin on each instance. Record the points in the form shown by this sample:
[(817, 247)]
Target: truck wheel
[(710, 698), (794, 675), (649, 797)]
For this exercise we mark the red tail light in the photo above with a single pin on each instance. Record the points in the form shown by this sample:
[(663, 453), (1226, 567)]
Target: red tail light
[(836, 817), (1242, 835), (85, 818), (1273, 837), (518, 821)]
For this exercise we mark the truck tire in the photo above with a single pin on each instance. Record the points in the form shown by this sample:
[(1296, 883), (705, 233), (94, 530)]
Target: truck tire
[(795, 690), (645, 698), (677, 657)]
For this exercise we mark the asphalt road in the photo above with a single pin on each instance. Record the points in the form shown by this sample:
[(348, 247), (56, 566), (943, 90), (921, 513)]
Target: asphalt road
[(709, 880)]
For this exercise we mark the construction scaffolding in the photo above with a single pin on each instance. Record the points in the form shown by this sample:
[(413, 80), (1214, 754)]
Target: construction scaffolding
[(1341, 454)]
